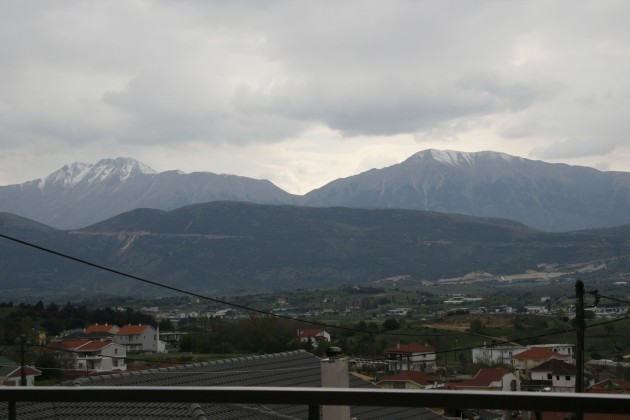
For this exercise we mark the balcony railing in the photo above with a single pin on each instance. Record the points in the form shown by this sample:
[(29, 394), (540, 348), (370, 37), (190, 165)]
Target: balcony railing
[(314, 398)]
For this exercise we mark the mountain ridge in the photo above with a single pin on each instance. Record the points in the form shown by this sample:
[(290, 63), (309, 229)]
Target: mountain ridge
[(80, 194), (221, 247), (550, 197)]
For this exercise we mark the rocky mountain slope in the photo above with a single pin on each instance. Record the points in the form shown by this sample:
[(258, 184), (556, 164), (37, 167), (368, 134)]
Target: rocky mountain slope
[(550, 197), (81, 194)]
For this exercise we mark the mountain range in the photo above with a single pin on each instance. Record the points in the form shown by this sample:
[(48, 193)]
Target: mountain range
[(81, 194), (229, 247), (545, 196)]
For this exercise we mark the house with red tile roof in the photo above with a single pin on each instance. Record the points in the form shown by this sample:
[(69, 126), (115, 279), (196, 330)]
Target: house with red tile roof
[(411, 356), (312, 336), (409, 379), (533, 357), (11, 373), (85, 357), (140, 338), (557, 375), (491, 379), (610, 386), (102, 328)]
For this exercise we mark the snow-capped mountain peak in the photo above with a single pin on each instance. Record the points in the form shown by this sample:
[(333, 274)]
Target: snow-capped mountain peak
[(73, 174), (456, 158), (121, 168)]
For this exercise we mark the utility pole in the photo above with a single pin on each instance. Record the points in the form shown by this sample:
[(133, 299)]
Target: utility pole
[(23, 360), (579, 343)]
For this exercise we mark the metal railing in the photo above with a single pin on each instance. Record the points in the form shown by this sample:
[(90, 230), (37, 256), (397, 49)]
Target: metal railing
[(314, 398)]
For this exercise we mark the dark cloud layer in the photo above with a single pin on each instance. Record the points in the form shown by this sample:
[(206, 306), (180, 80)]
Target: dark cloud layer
[(548, 79)]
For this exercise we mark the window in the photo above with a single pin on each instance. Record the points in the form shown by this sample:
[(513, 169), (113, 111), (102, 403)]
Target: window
[(557, 377), (115, 351), (567, 378), (549, 376)]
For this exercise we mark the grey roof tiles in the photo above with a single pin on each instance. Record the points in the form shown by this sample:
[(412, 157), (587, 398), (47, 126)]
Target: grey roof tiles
[(289, 369)]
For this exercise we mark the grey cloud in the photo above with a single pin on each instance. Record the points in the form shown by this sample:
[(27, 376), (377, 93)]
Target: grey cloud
[(572, 148), (241, 72), (380, 105)]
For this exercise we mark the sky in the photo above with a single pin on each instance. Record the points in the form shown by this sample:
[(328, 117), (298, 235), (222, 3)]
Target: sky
[(305, 92)]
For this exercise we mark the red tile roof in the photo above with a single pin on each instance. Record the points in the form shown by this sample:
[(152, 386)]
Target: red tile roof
[(411, 348), (95, 345), (538, 353), (29, 371), (556, 367), (612, 386), (484, 378), (72, 344), (413, 376), (309, 333), (132, 329), (83, 345), (101, 328)]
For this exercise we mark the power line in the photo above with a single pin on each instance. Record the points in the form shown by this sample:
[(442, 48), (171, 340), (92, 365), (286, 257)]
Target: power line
[(223, 302), (267, 313), (611, 298)]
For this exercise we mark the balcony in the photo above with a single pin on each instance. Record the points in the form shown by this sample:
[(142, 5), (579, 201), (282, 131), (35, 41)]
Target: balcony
[(95, 401)]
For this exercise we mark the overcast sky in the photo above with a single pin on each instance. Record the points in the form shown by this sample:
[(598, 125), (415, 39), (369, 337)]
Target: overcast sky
[(302, 93)]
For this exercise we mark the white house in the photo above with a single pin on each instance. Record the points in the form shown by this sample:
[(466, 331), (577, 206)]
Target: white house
[(491, 379), (409, 379), (140, 338), (533, 357), (11, 373), (495, 355), (567, 350), (312, 336), (556, 374), (412, 356), (87, 356)]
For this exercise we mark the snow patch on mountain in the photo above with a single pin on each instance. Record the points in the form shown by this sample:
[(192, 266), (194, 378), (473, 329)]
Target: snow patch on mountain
[(75, 173), (460, 159), (453, 158), (68, 176)]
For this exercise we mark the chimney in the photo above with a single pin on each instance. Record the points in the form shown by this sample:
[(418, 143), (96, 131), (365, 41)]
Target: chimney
[(335, 375)]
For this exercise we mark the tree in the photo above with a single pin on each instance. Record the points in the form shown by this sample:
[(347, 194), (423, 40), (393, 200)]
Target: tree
[(166, 325), (476, 325), (391, 324), (48, 364)]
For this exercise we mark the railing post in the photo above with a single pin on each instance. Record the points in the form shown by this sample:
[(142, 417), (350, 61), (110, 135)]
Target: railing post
[(313, 412), (12, 410)]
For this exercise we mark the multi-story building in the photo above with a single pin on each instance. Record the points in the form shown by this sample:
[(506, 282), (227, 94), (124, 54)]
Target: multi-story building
[(140, 338), (412, 356), (533, 357), (495, 355), (86, 356)]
